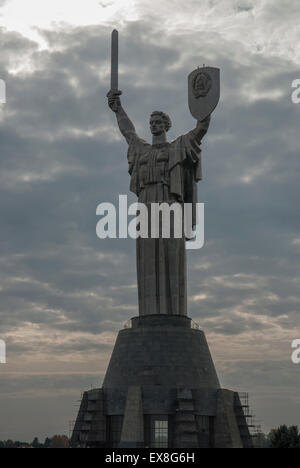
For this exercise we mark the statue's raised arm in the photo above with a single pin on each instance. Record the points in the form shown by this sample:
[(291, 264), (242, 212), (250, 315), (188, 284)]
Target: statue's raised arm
[(125, 125), (201, 128)]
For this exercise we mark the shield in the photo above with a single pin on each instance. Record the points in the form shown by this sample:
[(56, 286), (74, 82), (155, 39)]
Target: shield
[(204, 91)]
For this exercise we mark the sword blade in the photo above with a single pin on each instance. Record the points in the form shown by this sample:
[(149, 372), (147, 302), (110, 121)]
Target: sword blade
[(114, 60)]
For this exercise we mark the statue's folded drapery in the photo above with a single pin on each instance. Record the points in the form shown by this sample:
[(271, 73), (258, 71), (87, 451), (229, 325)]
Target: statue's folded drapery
[(168, 173)]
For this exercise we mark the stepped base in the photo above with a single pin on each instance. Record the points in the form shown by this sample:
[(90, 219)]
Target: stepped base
[(161, 390)]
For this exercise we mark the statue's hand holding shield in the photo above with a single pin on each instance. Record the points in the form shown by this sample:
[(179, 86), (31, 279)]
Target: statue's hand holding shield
[(204, 124)]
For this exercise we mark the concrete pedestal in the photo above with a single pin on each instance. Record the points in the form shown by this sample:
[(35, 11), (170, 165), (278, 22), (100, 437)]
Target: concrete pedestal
[(161, 390)]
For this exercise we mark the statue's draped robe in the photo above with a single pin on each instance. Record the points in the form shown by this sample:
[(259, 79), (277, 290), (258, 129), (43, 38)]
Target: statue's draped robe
[(167, 173)]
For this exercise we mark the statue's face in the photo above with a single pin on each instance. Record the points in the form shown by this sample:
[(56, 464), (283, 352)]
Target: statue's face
[(157, 125)]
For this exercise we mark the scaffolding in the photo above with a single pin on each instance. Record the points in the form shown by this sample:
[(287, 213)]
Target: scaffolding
[(253, 424), (71, 428)]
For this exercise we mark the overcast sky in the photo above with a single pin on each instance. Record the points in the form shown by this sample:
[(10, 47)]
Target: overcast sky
[(64, 294)]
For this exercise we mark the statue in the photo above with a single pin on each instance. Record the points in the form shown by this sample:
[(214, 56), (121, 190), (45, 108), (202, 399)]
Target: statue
[(163, 172), (161, 389)]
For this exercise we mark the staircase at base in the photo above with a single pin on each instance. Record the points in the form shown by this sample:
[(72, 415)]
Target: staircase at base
[(186, 434)]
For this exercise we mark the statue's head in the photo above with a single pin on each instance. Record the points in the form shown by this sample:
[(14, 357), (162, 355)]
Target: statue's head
[(159, 123)]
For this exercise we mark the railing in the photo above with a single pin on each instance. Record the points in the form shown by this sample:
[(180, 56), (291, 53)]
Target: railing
[(128, 324), (195, 325)]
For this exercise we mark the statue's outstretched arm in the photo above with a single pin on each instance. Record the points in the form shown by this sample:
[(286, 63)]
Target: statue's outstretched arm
[(191, 141), (201, 128), (125, 125), (195, 136)]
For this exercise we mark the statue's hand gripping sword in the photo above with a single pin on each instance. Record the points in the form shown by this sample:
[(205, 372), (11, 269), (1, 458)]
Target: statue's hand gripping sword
[(114, 91)]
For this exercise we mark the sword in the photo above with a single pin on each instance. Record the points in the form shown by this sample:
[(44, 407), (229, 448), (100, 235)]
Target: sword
[(114, 64)]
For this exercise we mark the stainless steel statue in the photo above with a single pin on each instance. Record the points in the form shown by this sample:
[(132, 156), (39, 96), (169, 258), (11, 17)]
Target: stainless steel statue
[(165, 172)]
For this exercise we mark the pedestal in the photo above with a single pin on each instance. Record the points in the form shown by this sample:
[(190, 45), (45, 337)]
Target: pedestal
[(161, 390)]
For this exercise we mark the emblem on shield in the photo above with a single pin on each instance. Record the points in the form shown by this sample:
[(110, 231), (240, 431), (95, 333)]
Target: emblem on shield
[(204, 91)]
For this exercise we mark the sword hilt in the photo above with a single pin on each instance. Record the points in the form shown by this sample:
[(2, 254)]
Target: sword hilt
[(114, 92)]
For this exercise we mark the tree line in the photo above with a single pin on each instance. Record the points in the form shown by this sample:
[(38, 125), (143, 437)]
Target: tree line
[(282, 437), (57, 441)]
